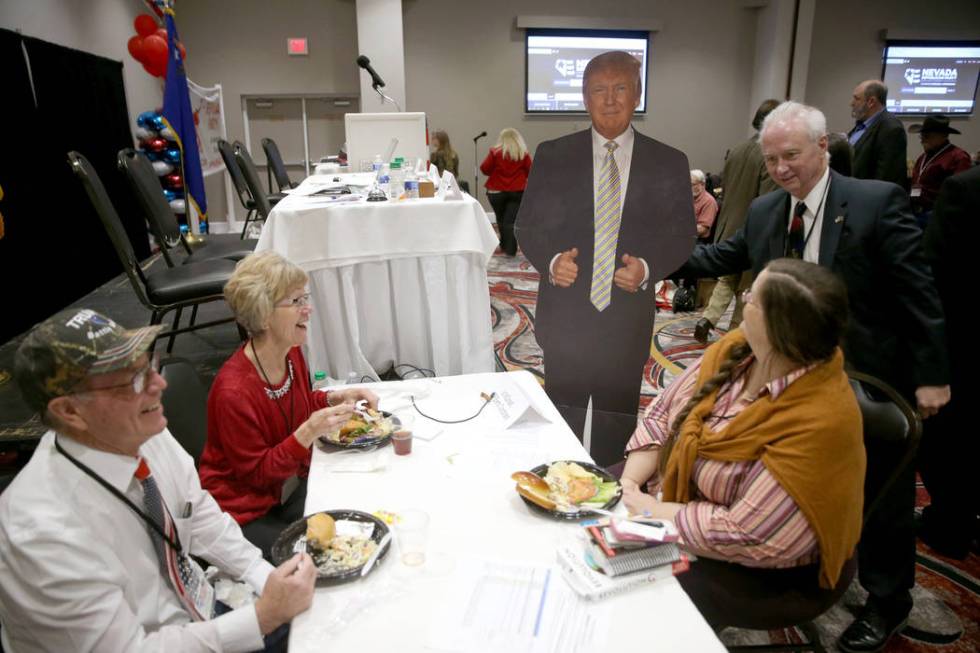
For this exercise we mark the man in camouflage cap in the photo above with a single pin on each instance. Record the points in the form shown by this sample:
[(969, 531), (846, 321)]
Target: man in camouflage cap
[(98, 533)]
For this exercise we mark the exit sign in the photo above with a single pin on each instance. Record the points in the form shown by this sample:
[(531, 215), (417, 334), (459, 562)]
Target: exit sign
[(297, 47)]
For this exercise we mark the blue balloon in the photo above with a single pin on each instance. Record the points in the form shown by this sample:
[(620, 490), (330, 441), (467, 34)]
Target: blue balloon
[(184, 229), (172, 155), (152, 156), (147, 118), (172, 195), (157, 122)]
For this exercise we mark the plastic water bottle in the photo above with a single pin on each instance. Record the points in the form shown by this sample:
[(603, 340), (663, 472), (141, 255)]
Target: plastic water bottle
[(378, 163), (320, 380), (411, 186), (395, 180)]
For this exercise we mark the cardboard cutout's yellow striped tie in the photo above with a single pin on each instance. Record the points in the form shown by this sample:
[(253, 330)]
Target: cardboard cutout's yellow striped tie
[(607, 218)]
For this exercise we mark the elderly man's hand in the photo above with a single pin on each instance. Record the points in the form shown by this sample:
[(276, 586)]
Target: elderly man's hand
[(630, 276), (930, 398), (565, 270), (287, 592)]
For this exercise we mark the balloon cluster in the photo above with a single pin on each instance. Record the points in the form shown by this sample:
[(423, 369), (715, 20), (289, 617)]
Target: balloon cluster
[(159, 143), (149, 46)]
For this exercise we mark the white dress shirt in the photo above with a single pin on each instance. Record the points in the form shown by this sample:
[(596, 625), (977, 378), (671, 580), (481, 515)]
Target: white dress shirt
[(79, 569), (816, 200)]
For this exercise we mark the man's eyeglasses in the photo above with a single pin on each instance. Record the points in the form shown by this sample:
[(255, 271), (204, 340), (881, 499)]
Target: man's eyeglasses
[(139, 381), (297, 302)]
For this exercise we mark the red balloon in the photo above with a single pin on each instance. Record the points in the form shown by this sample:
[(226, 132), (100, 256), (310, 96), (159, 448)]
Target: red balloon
[(154, 69), (145, 25), (135, 47), (155, 53), (174, 180), (156, 145), (162, 33)]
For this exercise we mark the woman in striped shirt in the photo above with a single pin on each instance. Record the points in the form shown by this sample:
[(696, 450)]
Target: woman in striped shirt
[(756, 450)]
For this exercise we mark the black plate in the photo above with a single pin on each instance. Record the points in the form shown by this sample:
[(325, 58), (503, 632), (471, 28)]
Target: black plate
[(542, 470), (367, 441), (282, 550)]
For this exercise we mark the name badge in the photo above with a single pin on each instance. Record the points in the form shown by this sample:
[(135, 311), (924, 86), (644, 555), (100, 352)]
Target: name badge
[(916, 192)]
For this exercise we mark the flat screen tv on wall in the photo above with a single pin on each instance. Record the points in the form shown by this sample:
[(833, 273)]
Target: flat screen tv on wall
[(555, 60), (931, 76)]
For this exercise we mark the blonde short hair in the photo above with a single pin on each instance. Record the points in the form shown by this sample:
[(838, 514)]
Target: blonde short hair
[(261, 281)]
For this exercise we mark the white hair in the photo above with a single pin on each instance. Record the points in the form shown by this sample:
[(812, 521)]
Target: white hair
[(697, 177), (811, 118)]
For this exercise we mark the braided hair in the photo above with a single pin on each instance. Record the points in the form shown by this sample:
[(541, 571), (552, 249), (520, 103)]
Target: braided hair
[(804, 311)]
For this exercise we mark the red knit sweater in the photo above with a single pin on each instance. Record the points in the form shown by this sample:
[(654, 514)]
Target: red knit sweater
[(503, 173), (250, 451)]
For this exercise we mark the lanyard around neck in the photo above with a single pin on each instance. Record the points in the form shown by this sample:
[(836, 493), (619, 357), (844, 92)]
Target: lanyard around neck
[(119, 495)]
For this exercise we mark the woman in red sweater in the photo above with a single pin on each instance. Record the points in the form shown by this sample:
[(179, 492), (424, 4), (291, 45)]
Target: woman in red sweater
[(263, 416), (507, 166)]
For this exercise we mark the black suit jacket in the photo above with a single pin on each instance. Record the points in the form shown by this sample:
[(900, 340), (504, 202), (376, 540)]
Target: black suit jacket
[(880, 152), (557, 213), (949, 246), (870, 239)]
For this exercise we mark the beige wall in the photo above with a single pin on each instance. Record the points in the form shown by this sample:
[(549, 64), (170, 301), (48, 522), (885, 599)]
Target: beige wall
[(847, 49), (464, 66), (241, 44)]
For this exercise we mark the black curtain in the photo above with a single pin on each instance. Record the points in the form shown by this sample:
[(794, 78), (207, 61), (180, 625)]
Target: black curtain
[(55, 250)]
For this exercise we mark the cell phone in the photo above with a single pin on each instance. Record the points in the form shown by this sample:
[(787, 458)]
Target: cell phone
[(627, 531)]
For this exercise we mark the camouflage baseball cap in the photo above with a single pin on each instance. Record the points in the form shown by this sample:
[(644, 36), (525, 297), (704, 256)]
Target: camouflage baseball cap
[(74, 344)]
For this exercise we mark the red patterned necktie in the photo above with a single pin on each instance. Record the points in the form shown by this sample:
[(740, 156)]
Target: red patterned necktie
[(795, 242), (185, 575)]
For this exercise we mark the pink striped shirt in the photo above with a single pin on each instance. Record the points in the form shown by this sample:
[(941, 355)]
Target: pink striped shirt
[(739, 511)]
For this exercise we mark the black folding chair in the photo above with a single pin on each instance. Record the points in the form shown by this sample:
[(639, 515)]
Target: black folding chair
[(163, 223), (275, 166), (163, 290), (185, 403), (227, 151)]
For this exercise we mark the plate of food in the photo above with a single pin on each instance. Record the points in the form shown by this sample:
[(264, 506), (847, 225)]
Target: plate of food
[(367, 427), (563, 488), (341, 543)]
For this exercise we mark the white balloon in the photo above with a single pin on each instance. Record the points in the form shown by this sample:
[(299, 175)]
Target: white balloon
[(162, 168), (144, 134), (178, 206), (168, 133)]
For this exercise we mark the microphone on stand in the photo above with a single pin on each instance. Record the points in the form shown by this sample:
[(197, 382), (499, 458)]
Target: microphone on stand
[(376, 80), (476, 166)]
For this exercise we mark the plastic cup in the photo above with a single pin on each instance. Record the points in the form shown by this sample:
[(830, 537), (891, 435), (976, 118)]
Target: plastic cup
[(412, 530), (402, 442)]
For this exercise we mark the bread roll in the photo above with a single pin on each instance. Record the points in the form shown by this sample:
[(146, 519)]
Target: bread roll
[(320, 529)]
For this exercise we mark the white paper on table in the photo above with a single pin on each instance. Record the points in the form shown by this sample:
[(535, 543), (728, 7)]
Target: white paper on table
[(358, 462), (510, 406), (515, 607), (434, 175)]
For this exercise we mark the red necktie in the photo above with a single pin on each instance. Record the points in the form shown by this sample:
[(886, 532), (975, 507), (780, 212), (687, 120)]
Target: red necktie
[(795, 242), (185, 575)]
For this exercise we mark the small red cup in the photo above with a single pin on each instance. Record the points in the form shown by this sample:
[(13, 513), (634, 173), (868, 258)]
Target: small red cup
[(402, 441)]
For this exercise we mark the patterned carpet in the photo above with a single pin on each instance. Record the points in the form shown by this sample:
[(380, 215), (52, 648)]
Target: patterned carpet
[(946, 616)]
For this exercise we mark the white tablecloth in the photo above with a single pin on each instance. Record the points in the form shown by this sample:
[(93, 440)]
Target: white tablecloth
[(461, 479), (392, 282)]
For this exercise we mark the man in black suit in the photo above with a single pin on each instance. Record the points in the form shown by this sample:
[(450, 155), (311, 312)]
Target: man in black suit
[(947, 456), (606, 213), (878, 137), (864, 231)]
